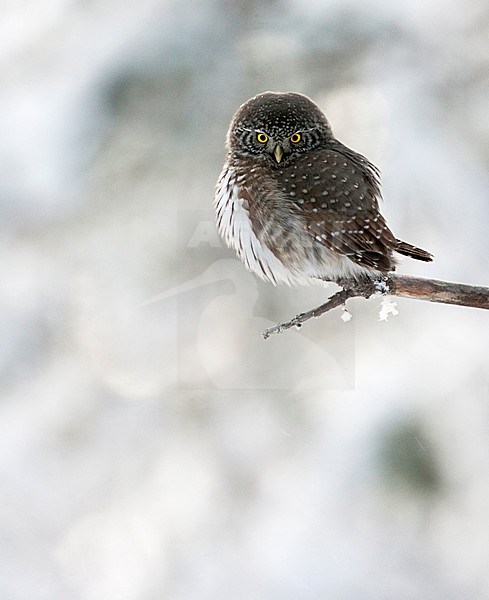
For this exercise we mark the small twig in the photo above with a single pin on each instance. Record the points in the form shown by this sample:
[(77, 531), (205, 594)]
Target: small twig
[(403, 286), (336, 300)]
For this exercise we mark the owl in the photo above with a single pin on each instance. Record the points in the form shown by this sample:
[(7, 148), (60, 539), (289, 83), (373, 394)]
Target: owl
[(296, 204)]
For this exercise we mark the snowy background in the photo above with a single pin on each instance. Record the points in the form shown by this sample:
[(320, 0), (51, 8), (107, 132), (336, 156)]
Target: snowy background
[(152, 445)]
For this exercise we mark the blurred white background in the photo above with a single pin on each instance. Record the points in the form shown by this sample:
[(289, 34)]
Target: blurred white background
[(152, 445)]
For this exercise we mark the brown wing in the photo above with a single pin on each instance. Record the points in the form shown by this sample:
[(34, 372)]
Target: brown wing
[(338, 192)]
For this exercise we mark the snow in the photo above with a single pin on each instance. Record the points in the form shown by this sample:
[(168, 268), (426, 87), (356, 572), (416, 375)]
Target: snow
[(387, 308)]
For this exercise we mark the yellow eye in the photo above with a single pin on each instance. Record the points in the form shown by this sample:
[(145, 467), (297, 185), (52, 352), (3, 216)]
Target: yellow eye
[(262, 138), (296, 138)]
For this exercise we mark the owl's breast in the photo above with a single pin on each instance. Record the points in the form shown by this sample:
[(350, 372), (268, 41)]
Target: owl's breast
[(262, 226)]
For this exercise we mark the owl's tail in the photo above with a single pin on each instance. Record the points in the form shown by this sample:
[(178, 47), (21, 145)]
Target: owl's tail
[(413, 251)]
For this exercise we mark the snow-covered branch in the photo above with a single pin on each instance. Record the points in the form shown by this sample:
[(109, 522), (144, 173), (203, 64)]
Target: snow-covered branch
[(403, 286)]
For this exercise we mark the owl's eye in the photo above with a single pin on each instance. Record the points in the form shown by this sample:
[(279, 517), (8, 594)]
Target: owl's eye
[(296, 138), (262, 138)]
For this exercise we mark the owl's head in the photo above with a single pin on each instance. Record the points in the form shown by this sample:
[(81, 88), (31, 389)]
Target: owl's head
[(277, 127)]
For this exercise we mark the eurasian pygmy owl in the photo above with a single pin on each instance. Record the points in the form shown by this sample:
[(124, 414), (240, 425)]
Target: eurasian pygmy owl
[(295, 203)]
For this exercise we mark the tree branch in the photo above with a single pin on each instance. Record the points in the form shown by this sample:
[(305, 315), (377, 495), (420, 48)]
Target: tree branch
[(403, 286)]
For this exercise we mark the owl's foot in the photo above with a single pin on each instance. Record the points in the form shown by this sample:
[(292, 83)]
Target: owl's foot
[(375, 283)]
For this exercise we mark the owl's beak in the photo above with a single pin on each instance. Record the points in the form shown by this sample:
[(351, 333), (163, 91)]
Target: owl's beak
[(278, 153)]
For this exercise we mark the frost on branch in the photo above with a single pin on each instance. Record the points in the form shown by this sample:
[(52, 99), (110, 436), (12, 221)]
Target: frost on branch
[(387, 307), (403, 286)]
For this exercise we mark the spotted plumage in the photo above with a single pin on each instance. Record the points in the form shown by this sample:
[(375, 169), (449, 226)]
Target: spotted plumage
[(295, 203)]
